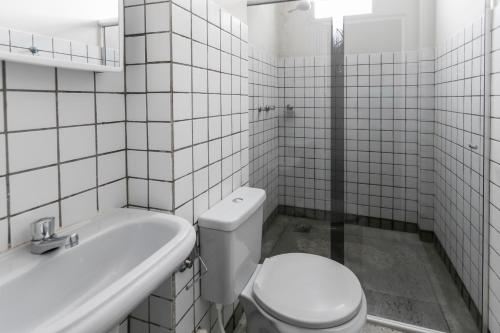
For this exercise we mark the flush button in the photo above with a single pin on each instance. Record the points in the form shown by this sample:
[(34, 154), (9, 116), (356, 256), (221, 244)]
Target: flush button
[(237, 200)]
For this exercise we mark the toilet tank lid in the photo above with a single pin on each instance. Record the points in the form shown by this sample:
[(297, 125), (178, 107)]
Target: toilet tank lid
[(232, 211)]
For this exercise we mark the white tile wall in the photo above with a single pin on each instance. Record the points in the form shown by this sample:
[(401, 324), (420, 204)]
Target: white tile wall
[(263, 91), (459, 118), (381, 135), (49, 162), (305, 132), (187, 134)]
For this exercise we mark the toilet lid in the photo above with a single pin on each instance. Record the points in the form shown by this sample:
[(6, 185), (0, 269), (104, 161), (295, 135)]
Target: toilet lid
[(308, 291)]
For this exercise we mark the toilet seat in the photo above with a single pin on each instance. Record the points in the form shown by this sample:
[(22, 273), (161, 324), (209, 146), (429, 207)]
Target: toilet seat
[(307, 291)]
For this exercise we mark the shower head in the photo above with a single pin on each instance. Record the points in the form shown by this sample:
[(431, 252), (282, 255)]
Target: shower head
[(303, 5)]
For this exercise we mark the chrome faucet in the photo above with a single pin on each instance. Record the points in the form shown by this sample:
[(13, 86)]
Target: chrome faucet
[(43, 237)]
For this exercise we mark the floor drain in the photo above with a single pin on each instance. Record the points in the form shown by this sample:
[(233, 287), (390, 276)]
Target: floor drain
[(303, 228)]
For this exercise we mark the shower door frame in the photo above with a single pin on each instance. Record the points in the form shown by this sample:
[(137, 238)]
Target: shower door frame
[(337, 191), (337, 166), (488, 24)]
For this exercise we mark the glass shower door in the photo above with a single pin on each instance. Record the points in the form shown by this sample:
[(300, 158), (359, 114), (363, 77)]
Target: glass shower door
[(414, 165), (368, 137)]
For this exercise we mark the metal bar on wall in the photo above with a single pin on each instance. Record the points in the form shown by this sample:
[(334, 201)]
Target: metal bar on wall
[(488, 16), (337, 143)]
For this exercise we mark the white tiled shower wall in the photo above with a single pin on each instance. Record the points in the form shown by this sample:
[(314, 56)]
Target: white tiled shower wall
[(381, 135), (389, 136), (494, 277), (263, 91), (296, 139), (389, 115), (458, 168), (305, 132), (187, 132)]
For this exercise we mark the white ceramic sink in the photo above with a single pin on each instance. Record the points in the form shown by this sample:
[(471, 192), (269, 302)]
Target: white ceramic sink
[(122, 257)]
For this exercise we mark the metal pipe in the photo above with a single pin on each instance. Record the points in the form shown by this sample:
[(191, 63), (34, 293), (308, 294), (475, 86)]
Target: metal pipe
[(397, 325)]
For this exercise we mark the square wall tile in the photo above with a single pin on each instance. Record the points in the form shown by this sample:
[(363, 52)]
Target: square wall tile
[(160, 166), (110, 107), (158, 77), (138, 192), (28, 150), (181, 49), (158, 17), (134, 20), (30, 110), (79, 208), (111, 137), (76, 142), (29, 77), (135, 50), (181, 21), (113, 195), (158, 47), (111, 167), (78, 176), (181, 78), (160, 136), (159, 106), (160, 195), (33, 188), (76, 108)]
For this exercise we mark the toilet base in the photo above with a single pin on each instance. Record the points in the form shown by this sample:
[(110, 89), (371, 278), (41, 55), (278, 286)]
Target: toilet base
[(258, 321)]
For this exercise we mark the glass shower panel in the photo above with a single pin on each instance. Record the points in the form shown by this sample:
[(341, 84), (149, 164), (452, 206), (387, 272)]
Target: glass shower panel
[(413, 164), (367, 134), (290, 69)]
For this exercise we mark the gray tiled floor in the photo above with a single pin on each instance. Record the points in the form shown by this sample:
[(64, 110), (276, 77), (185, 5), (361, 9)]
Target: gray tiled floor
[(403, 278)]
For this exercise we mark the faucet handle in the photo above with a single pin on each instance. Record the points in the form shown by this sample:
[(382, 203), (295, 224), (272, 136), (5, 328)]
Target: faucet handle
[(43, 228)]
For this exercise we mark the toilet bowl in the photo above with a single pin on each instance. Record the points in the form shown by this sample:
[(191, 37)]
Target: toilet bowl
[(299, 292), (288, 293)]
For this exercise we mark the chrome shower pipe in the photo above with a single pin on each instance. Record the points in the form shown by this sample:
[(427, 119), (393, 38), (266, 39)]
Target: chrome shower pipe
[(266, 2)]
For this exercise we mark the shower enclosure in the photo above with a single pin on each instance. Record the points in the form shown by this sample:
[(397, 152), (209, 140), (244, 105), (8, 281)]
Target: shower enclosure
[(368, 133)]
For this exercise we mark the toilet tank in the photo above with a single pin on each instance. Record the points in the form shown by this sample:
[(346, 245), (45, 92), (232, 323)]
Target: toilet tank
[(230, 243)]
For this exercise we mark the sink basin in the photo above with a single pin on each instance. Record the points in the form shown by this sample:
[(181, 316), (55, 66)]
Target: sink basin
[(122, 257)]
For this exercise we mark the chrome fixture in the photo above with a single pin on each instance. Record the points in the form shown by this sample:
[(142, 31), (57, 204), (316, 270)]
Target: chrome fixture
[(289, 107), (72, 240), (44, 238), (34, 50), (189, 262), (266, 108), (473, 147)]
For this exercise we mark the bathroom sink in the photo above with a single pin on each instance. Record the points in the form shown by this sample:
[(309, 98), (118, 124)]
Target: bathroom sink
[(122, 256)]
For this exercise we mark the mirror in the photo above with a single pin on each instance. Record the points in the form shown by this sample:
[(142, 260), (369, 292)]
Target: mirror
[(81, 34)]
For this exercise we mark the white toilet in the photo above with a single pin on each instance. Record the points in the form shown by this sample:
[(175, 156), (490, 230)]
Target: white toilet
[(288, 293)]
